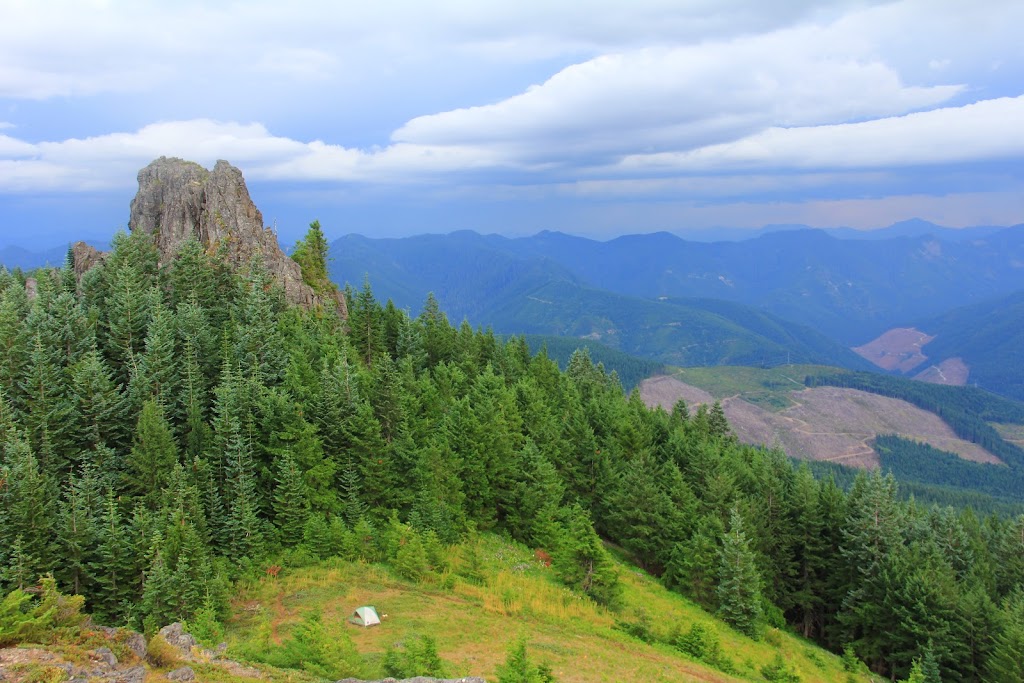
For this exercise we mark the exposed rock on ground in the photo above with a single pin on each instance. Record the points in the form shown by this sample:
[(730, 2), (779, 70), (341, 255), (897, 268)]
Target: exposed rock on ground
[(191, 651), (176, 636), (185, 673), (417, 679), (101, 664)]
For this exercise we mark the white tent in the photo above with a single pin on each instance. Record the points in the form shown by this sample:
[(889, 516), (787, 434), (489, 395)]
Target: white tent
[(365, 616)]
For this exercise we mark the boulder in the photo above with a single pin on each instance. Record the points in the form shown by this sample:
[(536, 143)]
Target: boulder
[(417, 679), (176, 637), (185, 673), (136, 674), (105, 656)]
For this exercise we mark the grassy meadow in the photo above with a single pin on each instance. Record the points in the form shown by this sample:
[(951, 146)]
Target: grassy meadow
[(474, 623)]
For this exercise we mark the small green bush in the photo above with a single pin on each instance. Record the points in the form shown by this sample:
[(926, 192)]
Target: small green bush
[(700, 642), (778, 671), (519, 669), (22, 619), (414, 657), (162, 654)]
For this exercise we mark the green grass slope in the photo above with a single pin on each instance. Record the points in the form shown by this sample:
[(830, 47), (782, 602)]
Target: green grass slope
[(474, 623)]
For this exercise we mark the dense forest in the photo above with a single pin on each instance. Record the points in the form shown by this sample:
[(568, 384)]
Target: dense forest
[(166, 430)]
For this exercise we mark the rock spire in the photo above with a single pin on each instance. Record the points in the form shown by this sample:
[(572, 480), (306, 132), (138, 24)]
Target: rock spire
[(179, 199)]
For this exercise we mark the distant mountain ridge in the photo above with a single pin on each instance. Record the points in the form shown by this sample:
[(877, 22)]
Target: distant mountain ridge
[(848, 289), (487, 281)]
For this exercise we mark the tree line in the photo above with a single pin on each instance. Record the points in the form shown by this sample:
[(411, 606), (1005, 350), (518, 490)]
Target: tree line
[(166, 429)]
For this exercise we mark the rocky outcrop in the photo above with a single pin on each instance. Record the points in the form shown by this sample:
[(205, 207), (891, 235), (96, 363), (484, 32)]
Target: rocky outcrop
[(418, 679), (85, 256), (179, 199), (189, 650), (100, 665), (184, 673), (177, 637)]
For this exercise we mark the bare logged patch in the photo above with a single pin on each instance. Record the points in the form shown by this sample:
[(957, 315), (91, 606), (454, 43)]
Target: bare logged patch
[(897, 349), (824, 423), (952, 371), (666, 391), (1011, 432)]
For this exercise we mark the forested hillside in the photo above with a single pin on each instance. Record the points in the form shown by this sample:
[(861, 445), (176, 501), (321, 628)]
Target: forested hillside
[(168, 430), (484, 280), (989, 337), (849, 290)]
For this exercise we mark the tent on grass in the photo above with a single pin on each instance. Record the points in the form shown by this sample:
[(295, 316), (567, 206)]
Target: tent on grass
[(365, 616)]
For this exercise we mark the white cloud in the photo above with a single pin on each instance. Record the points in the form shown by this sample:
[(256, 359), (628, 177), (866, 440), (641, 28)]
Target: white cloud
[(85, 47), (112, 160), (706, 100), (680, 98), (987, 130), (977, 132)]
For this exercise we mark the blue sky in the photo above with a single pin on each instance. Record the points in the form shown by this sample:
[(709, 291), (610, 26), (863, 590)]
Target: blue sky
[(596, 118)]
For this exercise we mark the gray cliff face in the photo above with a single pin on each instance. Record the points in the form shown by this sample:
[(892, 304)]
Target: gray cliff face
[(179, 199)]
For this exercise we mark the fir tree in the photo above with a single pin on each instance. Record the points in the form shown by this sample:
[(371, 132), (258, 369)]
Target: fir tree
[(311, 255), (1006, 663), (28, 499), (158, 373), (112, 566), (582, 563), (77, 528), (154, 455), (99, 412), (411, 558), (366, 328), (739, 581), (291, 502), (518, 668)]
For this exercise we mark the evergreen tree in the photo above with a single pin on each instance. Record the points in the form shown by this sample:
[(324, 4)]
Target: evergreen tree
[(871, 545), (693, 565), (154, 455), (806, 585), (259, 346), (99, 413), (291, 502), (79, 512), (582, 563), (411, 558), (14, 344), (1006, 663), (129, 304), (366, 328), (518, 668), (112, 567), (27, 500), (438, 335), (372, 457), (739, 581), (158, 373), (311, 255), (46, 408)]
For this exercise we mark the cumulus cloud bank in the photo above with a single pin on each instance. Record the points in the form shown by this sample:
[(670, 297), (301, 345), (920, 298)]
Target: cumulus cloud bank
[(730, 98)]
